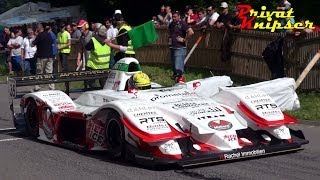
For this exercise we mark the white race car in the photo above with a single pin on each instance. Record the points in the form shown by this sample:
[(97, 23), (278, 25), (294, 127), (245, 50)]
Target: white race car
[(188, 124)]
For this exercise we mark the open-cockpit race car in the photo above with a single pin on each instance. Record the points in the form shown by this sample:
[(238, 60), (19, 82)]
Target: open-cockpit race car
[(194, 123)]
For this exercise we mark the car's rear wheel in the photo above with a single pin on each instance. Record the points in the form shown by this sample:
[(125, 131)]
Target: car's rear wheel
[(115, 135), (32, 119)]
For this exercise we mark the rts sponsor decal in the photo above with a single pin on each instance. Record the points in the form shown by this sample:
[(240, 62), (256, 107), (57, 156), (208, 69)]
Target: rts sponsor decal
[(266, 106), (237, 155), (151, 120), (220, 125)]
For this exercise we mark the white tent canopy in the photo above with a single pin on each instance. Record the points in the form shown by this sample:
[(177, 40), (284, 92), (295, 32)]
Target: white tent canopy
[(37, 12)]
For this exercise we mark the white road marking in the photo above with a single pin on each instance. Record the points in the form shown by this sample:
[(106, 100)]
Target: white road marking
[(11, 139), (7, 129)]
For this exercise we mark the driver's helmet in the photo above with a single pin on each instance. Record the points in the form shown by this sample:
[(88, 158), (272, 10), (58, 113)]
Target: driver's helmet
[(140, 81)]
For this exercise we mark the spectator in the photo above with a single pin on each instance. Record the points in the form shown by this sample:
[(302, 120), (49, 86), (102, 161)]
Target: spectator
[(83, 55), (28, 53), (212, 15), (155, 21), (111, 35), (235, 24), (284, 5), (44, 44), (14, 45), (202, 19), (54, 46), (124, 42), (224, 19), (179, 32), (7, 36), (161, 15), (111, 31), (99, 57), (54, 42), (191, 18), (96, 27), (69, 29), (168, 17), (75, 31), (92, 26), (2, 39), (64, 47)]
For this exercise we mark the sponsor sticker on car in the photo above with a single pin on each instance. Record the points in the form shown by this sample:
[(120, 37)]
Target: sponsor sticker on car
[(220, 125)]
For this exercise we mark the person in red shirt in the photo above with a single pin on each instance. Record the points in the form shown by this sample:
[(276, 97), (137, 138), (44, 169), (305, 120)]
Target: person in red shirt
[(191, 18)]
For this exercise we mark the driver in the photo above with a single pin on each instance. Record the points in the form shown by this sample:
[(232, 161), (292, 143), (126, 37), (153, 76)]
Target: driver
[(139, 81)]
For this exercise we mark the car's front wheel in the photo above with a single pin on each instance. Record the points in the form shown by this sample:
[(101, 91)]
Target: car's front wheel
[(32, 119), (115, 135)]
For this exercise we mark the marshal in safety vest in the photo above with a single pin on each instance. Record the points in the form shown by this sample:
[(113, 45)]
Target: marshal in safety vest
[(130, 47), (99, 58), (62, 40)]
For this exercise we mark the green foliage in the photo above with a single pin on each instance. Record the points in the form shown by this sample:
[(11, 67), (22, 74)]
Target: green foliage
[(310, 106)]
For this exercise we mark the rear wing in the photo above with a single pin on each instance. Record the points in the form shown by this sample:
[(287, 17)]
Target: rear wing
[(14, 82), (66, 77)]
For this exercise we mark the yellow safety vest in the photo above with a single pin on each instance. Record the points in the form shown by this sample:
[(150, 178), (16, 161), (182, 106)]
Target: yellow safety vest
[(99, 58), (63, 40), (130, 47)]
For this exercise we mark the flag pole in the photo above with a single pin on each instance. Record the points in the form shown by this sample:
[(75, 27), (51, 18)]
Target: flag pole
[(119, 35), (307, 69), (193, 48)]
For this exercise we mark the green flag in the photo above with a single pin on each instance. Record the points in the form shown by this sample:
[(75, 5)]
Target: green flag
[(143, 35)]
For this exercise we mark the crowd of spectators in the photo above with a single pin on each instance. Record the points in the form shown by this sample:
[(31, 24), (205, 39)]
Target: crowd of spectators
[(31, 50), (203, 17), (24, 46)]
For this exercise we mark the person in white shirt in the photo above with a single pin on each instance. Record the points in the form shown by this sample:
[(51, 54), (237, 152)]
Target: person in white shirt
[(212, 15), (14, 45), (28, 53), (111, 31), (111, 35)]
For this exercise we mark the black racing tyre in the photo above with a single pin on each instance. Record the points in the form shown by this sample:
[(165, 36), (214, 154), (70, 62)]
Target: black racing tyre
[(32, 119), (115, 136)]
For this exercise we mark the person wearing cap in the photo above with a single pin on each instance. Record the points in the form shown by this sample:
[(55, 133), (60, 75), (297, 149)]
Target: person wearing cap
[(123, 40), (28, 53), (224, 18), (86, 35), (83, 54), (99, 56)]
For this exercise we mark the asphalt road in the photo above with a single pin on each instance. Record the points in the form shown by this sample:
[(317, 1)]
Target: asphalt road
[(23, 158)]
